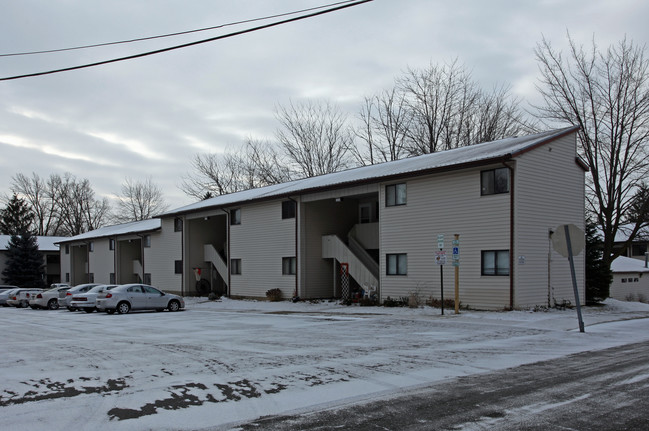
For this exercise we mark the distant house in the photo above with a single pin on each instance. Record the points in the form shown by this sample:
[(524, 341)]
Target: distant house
[(377, 230), (46, 245), (630, 279), (638, 247)]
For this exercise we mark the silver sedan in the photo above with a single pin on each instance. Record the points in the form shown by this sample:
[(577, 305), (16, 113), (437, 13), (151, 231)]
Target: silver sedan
[(129, 297)]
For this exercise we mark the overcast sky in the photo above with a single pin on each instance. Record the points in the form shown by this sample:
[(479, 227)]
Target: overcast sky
[(150, 116)]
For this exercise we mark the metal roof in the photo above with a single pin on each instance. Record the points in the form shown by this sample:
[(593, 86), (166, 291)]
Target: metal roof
[(458, 157), (134, 227)]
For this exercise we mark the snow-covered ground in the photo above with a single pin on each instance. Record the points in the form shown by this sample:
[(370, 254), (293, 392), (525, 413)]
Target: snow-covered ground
[(220, 363)]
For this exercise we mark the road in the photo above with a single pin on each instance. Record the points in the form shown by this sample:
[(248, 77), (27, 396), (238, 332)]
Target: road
[(601, 390)]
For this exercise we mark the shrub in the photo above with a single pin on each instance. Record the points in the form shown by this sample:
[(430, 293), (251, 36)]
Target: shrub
[(274, 294), (436, 303), (398, 302), (213, 296)]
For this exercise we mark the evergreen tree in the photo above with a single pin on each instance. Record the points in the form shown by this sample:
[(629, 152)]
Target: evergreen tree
[(25, 265), (16, 218), (598, 274)]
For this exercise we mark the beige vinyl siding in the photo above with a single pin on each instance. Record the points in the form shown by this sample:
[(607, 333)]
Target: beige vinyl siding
[(635, 287), (101, 261), (65, 264), (166, 247), (549, 191), (446, 204), (260, 241), (325, 217)]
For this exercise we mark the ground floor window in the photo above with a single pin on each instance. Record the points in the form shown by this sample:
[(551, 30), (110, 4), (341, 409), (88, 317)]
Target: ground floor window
[(495, 262), (396, 264), (235, 266), (147, 278), (67, 277), (111, 278), (178, 267), (289, 266), (91, 277)]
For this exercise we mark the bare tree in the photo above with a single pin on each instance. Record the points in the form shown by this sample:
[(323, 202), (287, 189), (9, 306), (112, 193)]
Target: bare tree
[(266, 165), (139, 200), (605, 93), (40, 194), (450, 110), (315, 138), (386, 124), (78, 209)]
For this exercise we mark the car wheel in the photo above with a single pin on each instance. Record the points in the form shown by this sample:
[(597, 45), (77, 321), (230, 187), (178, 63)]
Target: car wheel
[(34, 307), (53, 304), (123, 307), (110, 311), (174, 305), (89, 309), (72, 309), (24, 304)]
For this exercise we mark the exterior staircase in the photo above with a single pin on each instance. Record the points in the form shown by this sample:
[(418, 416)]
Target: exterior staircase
[(211, 255)]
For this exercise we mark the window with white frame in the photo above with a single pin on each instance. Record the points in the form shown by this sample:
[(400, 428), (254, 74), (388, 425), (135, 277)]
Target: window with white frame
[(178, 224), (494, 181), (289, 266), (396, 264), (235, 216), (495, 262), (147, 242), (235, 266), (395, 194), (289, 209)]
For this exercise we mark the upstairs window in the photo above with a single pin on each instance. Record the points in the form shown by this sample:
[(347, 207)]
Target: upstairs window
[(288, 209), (494, 181), (178, 224), (235, 216), (111, 244), (147, 243), (395, 194)]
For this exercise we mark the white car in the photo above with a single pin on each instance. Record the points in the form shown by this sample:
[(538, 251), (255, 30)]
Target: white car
[(129, 297), (79, 288), (86, 301), (20, 297), (49, 299), (4, 295)]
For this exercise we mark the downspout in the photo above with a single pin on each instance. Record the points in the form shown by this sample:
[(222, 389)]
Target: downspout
[(115, 260), (142, 254), (297, 266), (511, 235), (227, 260), (88, 262), (182, 255)]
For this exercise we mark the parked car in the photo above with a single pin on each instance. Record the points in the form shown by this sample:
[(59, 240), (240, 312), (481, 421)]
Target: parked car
[(20, 297), (4, 296), (129, 297), (49, 299), (53, 285), (79, 288), (86, 301)]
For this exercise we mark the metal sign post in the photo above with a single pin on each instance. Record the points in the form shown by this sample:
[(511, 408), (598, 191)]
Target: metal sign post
[(568, 240), (456, 264), (440, 259)]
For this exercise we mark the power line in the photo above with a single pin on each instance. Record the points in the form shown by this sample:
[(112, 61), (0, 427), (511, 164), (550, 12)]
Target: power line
[(185, 45), (140, 39)]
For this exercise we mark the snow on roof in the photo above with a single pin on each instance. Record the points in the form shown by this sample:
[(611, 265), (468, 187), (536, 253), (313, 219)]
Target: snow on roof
[(118, 229), (443, 159), (628, 264), (45, 243), (623, 232)]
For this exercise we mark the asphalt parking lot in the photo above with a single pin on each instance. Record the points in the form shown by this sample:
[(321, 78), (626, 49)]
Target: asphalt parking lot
[(223, 364)]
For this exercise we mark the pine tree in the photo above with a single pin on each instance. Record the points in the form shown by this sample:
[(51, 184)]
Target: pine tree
[(25, 265), (598, 274), (16, 218)]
